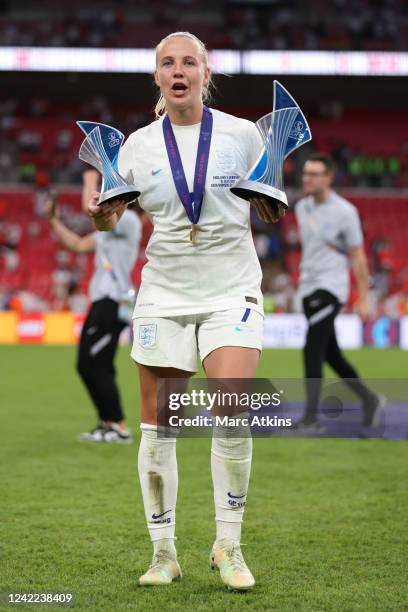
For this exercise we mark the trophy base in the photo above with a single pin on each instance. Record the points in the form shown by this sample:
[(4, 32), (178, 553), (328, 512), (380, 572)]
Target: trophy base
[(125, 192), (252, 189)]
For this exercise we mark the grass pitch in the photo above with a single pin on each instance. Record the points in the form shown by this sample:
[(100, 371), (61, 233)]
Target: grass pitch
[(326, 524)]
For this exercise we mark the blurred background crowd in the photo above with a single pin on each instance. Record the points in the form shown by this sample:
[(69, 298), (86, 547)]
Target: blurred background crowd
[(362, 122), (223, 24)]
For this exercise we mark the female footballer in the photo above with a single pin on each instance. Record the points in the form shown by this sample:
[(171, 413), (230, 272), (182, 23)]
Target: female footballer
[(200, 290)]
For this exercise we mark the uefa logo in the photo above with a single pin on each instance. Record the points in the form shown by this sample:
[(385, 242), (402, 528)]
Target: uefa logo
[(297, 130), (113, 140)]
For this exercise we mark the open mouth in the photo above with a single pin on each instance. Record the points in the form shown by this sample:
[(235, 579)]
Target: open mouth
[(179, 88)]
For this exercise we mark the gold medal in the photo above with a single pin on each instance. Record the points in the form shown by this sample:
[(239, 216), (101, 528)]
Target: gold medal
[(193, 233)]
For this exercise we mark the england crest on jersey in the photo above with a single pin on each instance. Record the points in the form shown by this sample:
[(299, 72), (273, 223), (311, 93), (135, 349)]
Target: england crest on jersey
[(225, 159), (147, 335)]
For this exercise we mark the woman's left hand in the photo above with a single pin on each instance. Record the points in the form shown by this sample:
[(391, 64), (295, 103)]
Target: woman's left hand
[(269, 212)]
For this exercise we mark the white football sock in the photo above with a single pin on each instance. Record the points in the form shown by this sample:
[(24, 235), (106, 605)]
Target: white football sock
[(157, 465), (230, 467)]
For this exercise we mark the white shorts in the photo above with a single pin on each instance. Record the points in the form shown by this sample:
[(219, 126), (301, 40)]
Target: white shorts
[(174, 342)]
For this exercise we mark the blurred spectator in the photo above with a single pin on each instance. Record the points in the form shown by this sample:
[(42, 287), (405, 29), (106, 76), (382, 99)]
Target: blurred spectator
[(27, 172), (29, 141), (282, 292), (40, 199), (39, 107), (332, 25), (33, 229), (15, 303), (11, 259), (373, 170), (26, 301), (44, 149), (77, 300), (64, 140), (396, 304), (7, 170), (61, 281), (13, 235)]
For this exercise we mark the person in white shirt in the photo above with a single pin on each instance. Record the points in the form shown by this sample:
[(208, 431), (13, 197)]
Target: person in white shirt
[(200, 289), (115, 255), (331, 237)]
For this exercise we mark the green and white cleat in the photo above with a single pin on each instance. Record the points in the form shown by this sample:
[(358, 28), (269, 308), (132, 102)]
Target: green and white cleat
[(227, 556), (163, 570)]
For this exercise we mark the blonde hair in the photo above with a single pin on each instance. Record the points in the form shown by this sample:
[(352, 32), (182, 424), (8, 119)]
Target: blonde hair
[(160, 107)]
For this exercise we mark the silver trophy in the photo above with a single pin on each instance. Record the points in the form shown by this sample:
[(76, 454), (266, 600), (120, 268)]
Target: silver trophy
[(101, 148), (283, 130)]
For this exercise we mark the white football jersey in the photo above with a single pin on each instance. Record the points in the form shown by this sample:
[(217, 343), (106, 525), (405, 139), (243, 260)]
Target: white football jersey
[(221, 269)]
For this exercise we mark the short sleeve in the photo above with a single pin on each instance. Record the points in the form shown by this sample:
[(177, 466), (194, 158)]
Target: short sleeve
[(125, 161), (255, 143), (352, 231)]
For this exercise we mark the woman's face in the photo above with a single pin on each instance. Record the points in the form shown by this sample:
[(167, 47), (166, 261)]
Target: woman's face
[(180, 73)]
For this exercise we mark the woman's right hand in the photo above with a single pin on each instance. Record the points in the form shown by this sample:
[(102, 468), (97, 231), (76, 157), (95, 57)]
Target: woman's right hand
[(268, 212), (106, 215)]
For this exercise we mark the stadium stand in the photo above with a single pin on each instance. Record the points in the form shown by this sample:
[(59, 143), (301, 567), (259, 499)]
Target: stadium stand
[(59, 280), (296, 24), (39, 139), (39, 266)]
